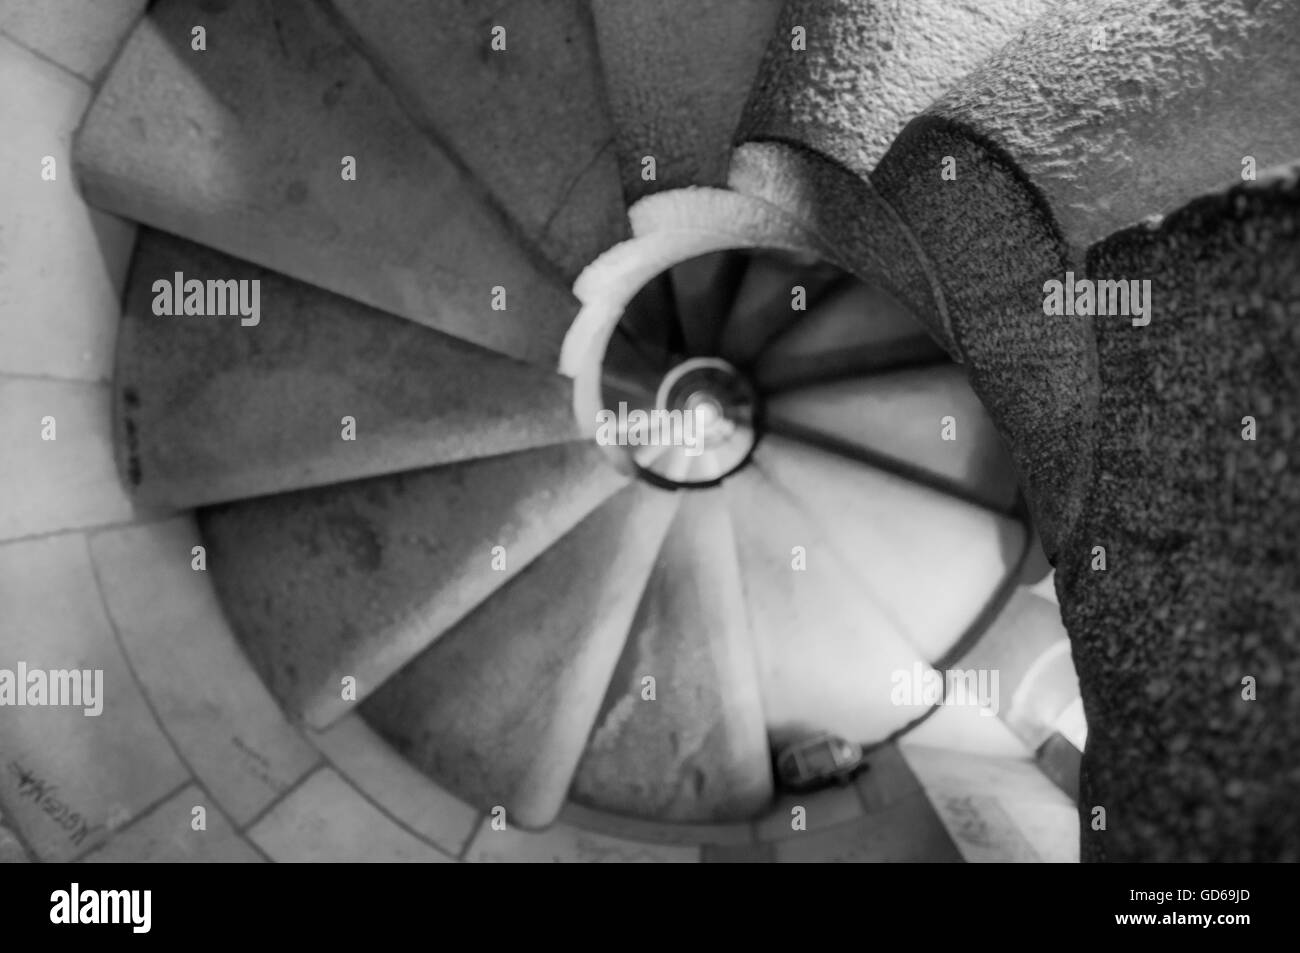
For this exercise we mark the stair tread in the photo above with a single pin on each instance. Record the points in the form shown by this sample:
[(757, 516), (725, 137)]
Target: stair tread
[(899, 415), (698, 751), (240, 147), (704, 287), (857, 329), (678, 73), (763, 304), (358, 578), (499, 709), (530, 121), (930, 560), (827, 652), (211, 410)]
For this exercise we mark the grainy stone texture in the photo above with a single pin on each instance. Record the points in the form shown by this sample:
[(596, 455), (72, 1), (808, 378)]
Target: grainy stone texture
[(1202, 585), (531, 121), (869, 67), (499, 709), (358, 578), (698, 750), (867, 235), (240, 147), (993, 244), (209, 410), (1164, 113), (677, 73)]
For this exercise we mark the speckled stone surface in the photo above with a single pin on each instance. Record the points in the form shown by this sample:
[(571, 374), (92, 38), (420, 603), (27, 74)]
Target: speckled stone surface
[(209, 410), (843, 210), (677, 73), (696, 751), (869, 67), (358, 578), (1202, 585), (1181, 92), (499, 709), (992, 244)]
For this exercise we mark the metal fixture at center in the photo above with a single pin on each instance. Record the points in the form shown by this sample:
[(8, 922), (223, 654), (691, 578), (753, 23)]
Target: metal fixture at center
[(704, 424)]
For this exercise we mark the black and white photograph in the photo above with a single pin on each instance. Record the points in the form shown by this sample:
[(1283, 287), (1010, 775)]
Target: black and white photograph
[(677, 431)]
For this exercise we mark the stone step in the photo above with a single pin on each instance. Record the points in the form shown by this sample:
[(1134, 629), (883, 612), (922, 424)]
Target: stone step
[(210, 410), (763, 305), (931, 561), (529, 121), (899, 416), (856, 329), (827, 653), (677, 74), (242, 147), (697, 750), (704, 288), (498, 710), (356, 579)]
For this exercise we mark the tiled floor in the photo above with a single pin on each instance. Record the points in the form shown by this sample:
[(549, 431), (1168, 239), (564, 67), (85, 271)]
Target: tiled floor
[(89, 581)]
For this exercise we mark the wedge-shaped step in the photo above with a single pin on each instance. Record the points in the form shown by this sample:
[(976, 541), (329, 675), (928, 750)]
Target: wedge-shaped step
[(931, 561), (246, 147), (900, 420), (678, 73), (211, 409), (705, 287), (680, 734), (499, 709), (859, 328), (829, 656), (523, 108), (767, 302), (651, 320), (357, 579)]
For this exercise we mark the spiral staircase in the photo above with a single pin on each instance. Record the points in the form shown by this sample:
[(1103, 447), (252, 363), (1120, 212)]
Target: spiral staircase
[(363, 581)]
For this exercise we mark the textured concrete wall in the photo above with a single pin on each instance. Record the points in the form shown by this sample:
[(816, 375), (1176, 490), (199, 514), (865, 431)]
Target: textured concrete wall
[(869, 67), (1181, 92), (1202, 586)]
